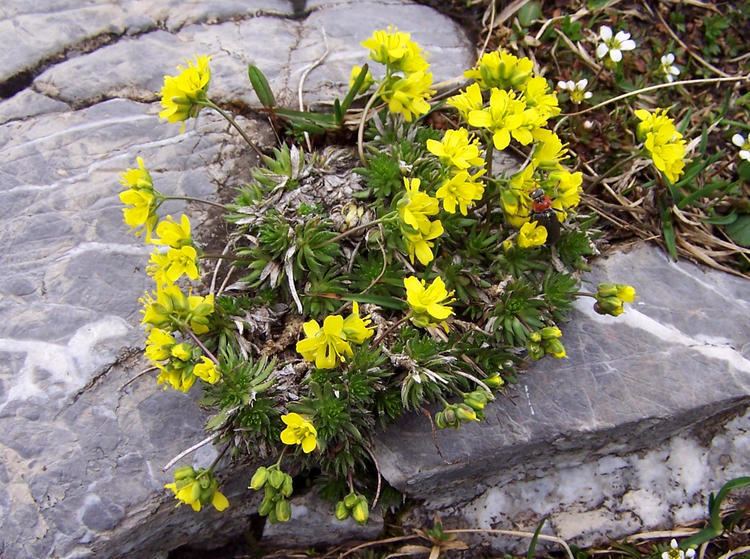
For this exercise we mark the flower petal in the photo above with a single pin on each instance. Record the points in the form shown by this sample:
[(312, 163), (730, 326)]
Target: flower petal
[(605, 32), (601, 51)]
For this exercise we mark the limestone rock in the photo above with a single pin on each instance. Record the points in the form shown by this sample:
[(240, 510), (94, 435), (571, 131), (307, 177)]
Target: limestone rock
[(676, 359)]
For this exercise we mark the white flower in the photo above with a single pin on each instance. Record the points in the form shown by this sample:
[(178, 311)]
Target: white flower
[(744, 145), (668, 67), (676, 553), (577, 90), (613, 45)]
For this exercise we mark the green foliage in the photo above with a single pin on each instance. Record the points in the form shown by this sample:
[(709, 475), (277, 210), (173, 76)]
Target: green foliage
[(382, 176), (517, 313)]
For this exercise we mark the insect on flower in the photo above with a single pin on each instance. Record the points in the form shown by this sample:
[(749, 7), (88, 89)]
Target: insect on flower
[(543, 213)]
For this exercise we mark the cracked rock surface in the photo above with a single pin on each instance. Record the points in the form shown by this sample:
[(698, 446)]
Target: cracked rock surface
[(627, 433), (81, 452)]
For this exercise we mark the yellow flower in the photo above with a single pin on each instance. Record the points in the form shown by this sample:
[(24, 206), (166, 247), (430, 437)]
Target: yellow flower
[(182, 95), (408, 95), (515, 199), (501, 69), (167, 268), (172, 234), (415, 207), (549, 150), (461, 189), (663, 142), (207, 371), (140, 210), (568, 191), (179, 378), (532, 235), (159, 345), (505, 116), (183, 352), (357, 329), (457, 149), (366, 84), (535, 93), (137, 178), (299, 431), (396, 50), (327, 346), (546, 342), (172, 307), (420, 245), (429, 304), (467, 101), (197, 489)]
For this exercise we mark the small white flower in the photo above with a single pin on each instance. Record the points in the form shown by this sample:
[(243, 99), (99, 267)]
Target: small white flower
[(676, 553), (613, 45), (744, 145), (668, 68), (577, 90)]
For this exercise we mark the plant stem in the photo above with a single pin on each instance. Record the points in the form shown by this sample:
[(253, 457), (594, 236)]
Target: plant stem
[(230, 120), (218, 458), (212, 256), (200, 200), (391, 328), (357, 229), (585, 294), (281, 455), (201, 345), (361, 129)]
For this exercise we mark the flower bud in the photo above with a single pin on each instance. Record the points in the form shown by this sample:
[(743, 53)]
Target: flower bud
[(361, 512), (342, 512), (259, 478), (184, 472), (550, 333), (276, 478), (350, 500), (535, 350), (555, 348), (606, 290), (440, 420), (450, 418), (266, 506), (494, 381), (287, 487), (465, 413), (283, 510), (476, 400)]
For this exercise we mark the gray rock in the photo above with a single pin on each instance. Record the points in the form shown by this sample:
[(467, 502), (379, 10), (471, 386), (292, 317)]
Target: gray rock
[(675, 360), (81, 453), (313, 524)]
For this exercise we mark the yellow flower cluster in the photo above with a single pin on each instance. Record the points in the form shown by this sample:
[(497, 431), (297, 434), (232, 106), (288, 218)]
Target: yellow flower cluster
[(428, 304), (183, 95), (414, 210), (663, 142), (407, 85), (611, 298), (546, 342), (140, 199), (458, 151), (197, 489), (329, 345), (299, 431)]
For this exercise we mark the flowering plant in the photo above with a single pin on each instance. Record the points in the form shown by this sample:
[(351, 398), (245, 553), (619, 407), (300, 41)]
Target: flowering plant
[(431, 281)]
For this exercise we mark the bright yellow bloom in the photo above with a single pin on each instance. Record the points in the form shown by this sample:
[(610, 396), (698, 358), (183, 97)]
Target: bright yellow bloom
[(183, 352), (140, 210), (457, 149), (327, 346), (396, 50), (516, 199), (299, 431), (505, 116), (179, 378), (197, 489), (420, 245), (535, 93), (159, 345), (408, 95), (549, 150), (415, 207), (357, 329), (172, 307), (167, 268), (366, 84), (568, 191), (501, 69), (182, 95), (429, 304), (663, 142), (467, 101), (532, 235), (206, 370), (172, 234), (461, 189), (137, 178)]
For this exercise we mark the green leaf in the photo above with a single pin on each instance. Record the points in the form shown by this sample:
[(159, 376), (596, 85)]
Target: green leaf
[(596, 4), (382, 300), (668, 232), (260, 85), (722, 219), (715, 527), (739, 230), (531, 553), (529, 12), (356, 86)]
